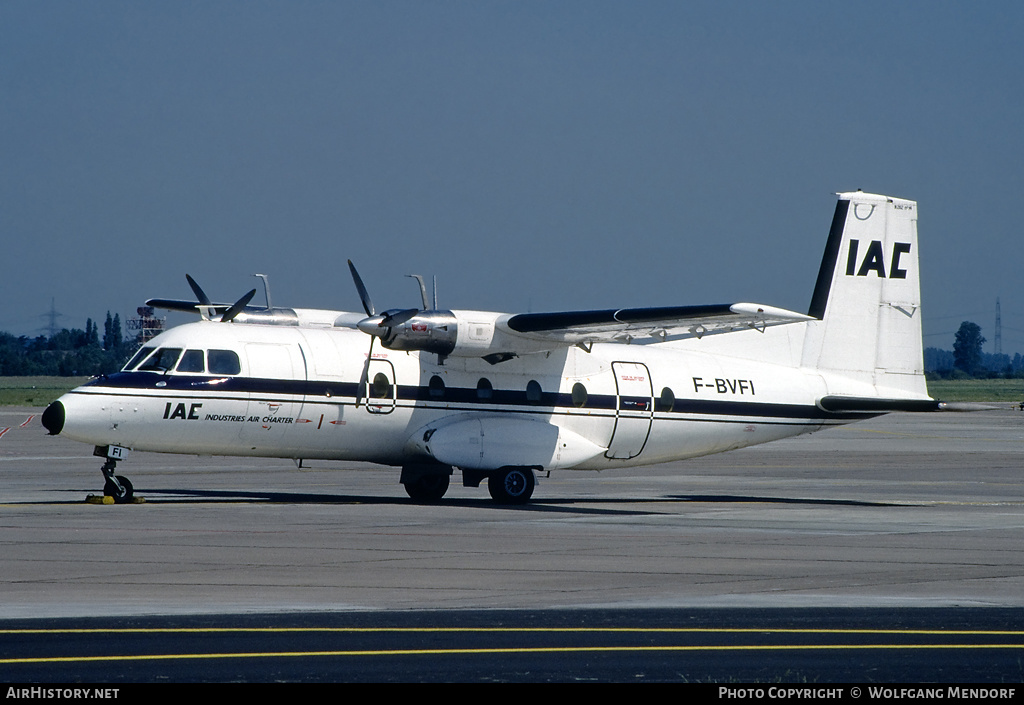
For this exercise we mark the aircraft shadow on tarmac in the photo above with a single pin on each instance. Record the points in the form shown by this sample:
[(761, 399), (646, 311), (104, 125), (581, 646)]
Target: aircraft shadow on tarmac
[(738, 499), (594, 505)]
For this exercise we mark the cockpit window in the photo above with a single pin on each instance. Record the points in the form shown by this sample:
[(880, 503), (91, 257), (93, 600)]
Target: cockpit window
[(138, 357), (191, 361), (161, 361), (224, 362)]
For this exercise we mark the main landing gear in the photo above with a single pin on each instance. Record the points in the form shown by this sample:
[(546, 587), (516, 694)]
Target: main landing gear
[(117, 487), (428, 488), (428, 482), (511, 485)]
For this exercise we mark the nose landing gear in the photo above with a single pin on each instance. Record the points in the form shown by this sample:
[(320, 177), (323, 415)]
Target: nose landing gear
[(117, 487)]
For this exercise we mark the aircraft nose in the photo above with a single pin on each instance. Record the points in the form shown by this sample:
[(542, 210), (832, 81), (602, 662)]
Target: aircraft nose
[(53, 418)]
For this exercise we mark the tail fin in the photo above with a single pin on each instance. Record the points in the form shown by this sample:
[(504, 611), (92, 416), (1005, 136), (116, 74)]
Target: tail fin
[(868, 299)]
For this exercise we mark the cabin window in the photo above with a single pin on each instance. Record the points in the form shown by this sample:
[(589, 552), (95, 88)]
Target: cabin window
[(381, 386), (533, 392), (223, 362), (436, 387), (484, 390), (191, 361), (161, 361), (141, 355), (579, 395), (666, 401)]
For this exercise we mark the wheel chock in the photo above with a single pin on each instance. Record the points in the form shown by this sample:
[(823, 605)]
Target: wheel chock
[(106, 499)]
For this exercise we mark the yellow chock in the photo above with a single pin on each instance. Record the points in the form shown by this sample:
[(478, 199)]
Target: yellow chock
[(104, 499)]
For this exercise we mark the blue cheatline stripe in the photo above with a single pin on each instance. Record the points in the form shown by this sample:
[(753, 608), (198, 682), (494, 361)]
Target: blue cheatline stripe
[(315, 391)]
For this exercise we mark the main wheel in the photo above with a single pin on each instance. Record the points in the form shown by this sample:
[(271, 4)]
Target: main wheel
[(428, 488), (122, 494), (511, 485)]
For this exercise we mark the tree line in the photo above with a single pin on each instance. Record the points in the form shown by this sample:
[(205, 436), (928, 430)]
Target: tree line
[(968, 361), (68, 353)]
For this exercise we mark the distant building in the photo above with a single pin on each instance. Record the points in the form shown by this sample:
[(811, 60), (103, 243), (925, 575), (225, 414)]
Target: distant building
[(147, 325)]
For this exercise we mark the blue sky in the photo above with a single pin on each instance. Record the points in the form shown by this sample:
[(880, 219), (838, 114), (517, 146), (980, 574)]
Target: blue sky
[(532, 155)]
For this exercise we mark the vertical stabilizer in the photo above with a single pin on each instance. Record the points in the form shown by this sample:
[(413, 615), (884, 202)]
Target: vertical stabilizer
[(868, 298)]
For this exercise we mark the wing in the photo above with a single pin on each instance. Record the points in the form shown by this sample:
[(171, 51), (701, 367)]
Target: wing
[(644, 325), (186, 306)]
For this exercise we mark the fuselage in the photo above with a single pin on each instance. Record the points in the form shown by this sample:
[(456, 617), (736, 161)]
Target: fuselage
[(502, 396), (309, 392)]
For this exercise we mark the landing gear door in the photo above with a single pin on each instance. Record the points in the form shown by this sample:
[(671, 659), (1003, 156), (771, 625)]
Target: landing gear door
[(380, 391), (634, 410)]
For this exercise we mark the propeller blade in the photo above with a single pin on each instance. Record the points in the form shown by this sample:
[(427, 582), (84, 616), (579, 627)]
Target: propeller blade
[(237, 307), (364, 295), (399, 317), (198, 291), (364, 378)]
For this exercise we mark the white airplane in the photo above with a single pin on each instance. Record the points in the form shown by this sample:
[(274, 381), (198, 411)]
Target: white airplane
[(503, 397)]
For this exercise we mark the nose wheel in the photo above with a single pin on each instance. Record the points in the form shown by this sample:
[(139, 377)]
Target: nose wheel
[(117, 487)]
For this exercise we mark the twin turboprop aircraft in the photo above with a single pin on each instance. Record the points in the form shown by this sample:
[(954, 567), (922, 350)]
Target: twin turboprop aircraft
[(503, 397)]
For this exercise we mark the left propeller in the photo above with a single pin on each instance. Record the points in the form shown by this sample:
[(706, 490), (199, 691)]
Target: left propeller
[(206, 308), (237, 307), (227, 313)]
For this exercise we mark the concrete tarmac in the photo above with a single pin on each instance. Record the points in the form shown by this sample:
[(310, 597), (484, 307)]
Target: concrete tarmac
[(906, 510)]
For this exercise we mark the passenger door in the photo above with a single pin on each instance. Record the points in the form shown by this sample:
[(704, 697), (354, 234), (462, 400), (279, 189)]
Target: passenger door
[(277, 374), (634, 410)]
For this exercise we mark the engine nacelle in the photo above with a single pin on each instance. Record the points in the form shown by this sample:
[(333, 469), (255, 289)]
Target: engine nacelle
[(432, 331), (455, 333)]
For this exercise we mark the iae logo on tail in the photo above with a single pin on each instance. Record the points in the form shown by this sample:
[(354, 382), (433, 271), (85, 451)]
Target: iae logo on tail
[(874, 260)]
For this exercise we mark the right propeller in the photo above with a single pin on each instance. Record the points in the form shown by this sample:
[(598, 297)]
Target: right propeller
[(404, 328), (374, 325)]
